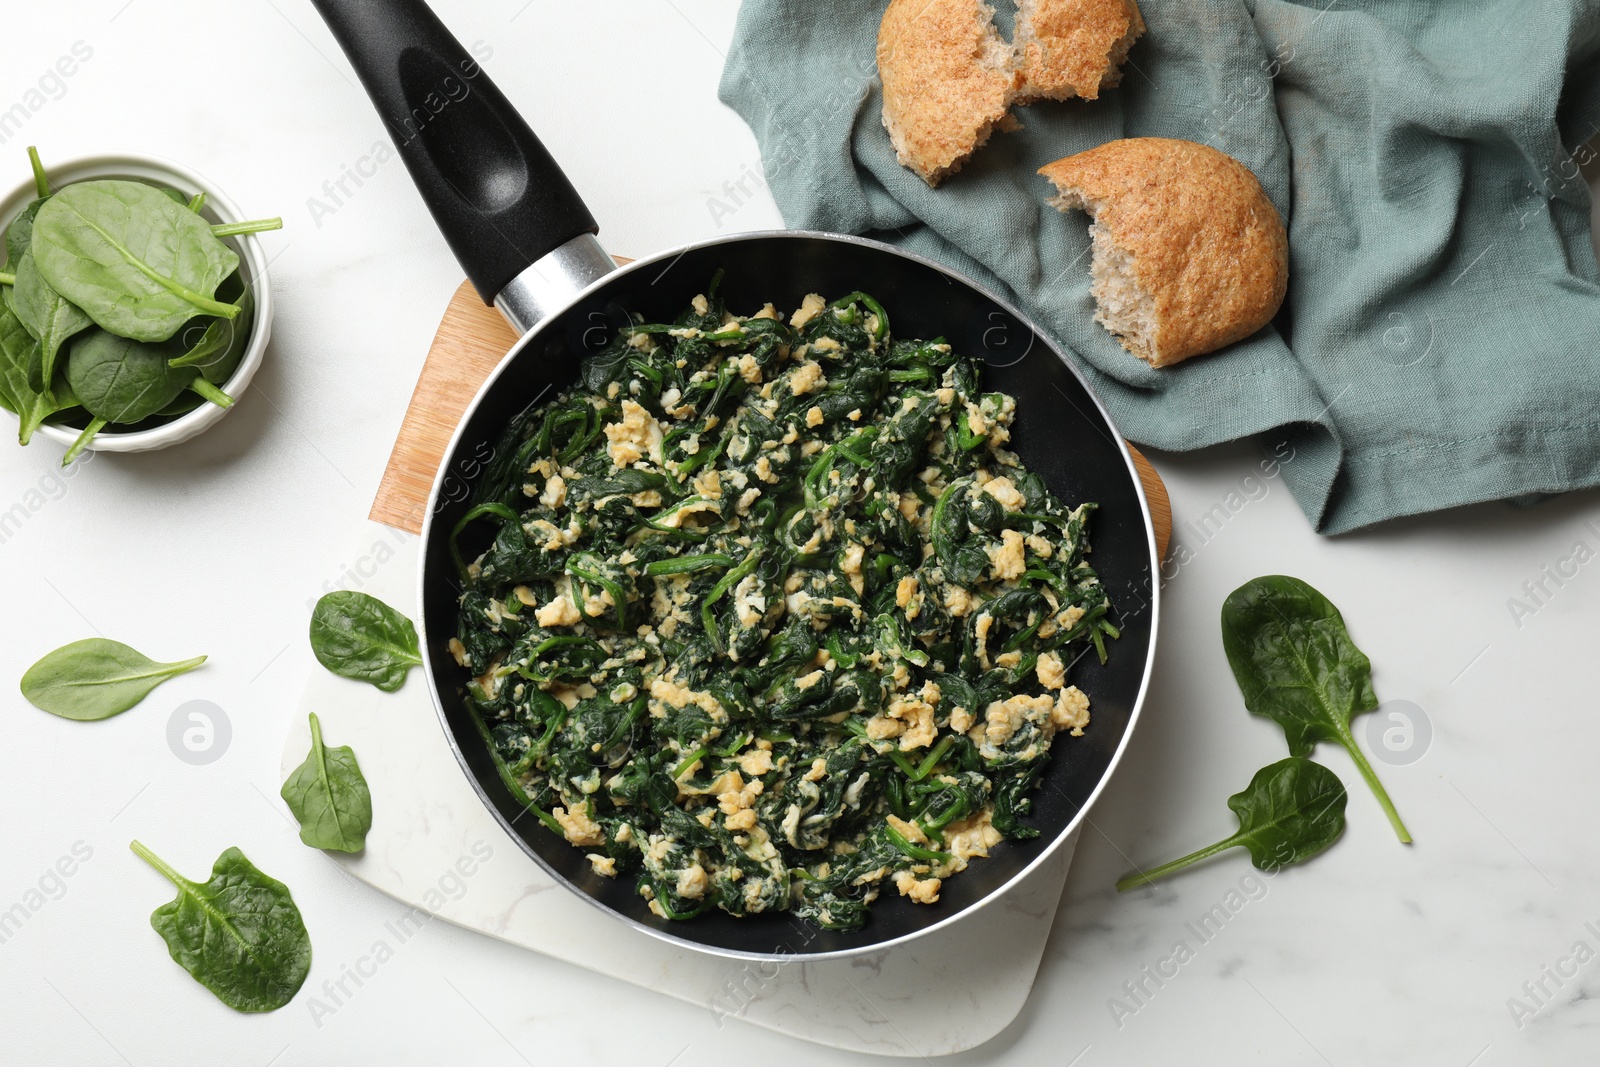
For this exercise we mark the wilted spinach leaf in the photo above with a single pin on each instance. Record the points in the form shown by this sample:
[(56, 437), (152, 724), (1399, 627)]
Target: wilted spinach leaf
[(358, 636), (1296, 665), (240, 934), (1288, 813), (96, 679), (329, 796)]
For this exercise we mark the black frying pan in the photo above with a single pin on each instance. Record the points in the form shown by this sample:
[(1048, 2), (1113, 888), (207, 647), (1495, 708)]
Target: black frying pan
[(526, 240)]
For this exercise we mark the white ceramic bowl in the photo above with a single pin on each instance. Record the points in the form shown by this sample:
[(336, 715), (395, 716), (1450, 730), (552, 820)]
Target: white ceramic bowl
[(252, 264)]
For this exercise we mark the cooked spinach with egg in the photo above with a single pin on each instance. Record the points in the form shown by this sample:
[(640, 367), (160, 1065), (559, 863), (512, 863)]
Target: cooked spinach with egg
[(772, 620)]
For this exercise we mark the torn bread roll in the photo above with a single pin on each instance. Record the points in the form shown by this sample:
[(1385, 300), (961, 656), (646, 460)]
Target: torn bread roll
[(1189, 254), (1073, 48), (948, 82), (949, 78)]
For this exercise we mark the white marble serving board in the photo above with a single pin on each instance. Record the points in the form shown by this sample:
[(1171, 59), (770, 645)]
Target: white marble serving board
[(435, 846)]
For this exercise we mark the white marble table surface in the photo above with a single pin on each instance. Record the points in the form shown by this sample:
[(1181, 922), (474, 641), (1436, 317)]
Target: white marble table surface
[(1373, 954)]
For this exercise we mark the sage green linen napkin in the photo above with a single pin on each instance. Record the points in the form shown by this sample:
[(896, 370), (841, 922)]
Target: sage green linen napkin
[(1440, 343)]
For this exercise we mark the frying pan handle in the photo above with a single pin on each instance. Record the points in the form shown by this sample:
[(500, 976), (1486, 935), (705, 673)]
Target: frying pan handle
[(501, 201)]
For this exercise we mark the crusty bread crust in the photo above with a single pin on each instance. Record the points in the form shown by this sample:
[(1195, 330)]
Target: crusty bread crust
[(1073, 48), (1195, 231), (948, 80)]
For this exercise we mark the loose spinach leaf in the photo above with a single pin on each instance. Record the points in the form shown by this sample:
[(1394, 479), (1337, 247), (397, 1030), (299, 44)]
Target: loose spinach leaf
[(239, 934), (137, 263), (48, 317), (96, 679), (122, 380), (18, 353), (1296, 665), (1288, 813), (329, 797), (359, 636)]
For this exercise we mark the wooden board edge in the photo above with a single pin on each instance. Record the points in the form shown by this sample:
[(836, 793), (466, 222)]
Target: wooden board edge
[(444, 388), (1155, 493)]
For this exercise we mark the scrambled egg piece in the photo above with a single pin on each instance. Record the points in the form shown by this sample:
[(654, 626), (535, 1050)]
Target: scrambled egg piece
[(1071, 711), (692, 882), (808, 378), (679, 696), (1050, 671), (907, 829), (1008, 558), (756, 762), (638, 435), (968, 838), (981, 633), (851, 565), (916, 712), (559, 612), (737, 802), (1002, 718), (809, 309), (920, 890), (1003, 490), (578, 828)]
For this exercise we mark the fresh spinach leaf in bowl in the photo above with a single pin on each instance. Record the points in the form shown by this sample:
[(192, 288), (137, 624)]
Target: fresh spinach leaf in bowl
[(138, 264), (115, 275), (18, 353)]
